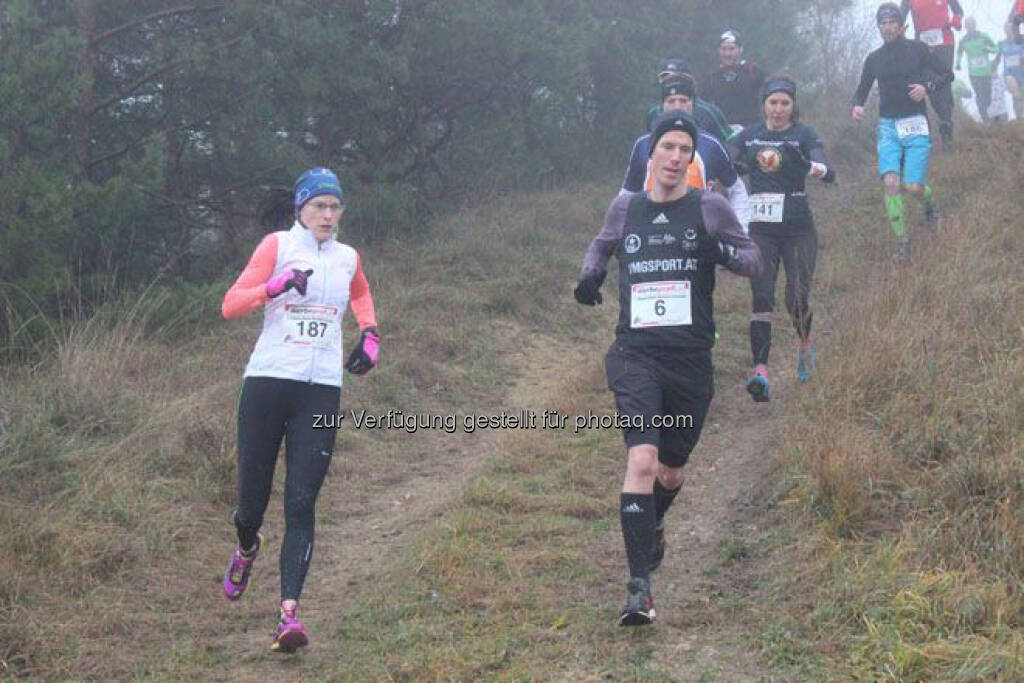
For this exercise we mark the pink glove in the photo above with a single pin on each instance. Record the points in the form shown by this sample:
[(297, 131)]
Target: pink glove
[(364, 356), (297, 279)]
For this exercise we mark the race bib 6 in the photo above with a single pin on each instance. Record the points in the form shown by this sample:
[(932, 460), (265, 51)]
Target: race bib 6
[(660, 304)]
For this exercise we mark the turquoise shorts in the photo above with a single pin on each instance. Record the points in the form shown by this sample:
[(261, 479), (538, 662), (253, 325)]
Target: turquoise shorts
[(907, 157)]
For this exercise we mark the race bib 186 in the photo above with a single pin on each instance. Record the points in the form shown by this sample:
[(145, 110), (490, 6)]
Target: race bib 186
[(660, 304), (912, 125), (933, 37), (312, 325), (766, 207), (979, 62)]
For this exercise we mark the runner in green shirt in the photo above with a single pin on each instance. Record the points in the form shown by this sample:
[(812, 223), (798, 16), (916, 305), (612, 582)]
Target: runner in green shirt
[(709, 117), (961, 91), (978, 47)]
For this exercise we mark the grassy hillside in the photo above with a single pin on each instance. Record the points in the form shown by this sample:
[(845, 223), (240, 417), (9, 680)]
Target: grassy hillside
[(887, 546), (906, 458), (117, 473)]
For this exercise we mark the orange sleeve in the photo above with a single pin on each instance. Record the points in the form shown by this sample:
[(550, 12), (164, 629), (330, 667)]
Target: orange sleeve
[(360, 299), (249, 291)]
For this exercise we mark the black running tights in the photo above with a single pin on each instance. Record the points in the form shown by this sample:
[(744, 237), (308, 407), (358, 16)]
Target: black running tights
[(270, 410), (798, 252)]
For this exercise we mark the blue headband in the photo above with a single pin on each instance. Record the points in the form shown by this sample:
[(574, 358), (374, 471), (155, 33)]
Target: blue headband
[(316, 182)]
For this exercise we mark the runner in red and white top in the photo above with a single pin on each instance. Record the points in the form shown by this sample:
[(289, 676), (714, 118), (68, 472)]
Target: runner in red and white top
[(1016, 18), (934, 22)]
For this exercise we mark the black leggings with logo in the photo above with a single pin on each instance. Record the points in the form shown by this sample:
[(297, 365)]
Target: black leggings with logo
[(798, 251), (269, 410)]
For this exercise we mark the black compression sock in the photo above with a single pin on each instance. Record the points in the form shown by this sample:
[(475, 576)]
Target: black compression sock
[(636, 511), (760, 341), (803, 327), (663, 498)]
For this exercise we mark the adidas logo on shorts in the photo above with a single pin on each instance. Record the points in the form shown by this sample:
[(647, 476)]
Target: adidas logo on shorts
[(632, 507)]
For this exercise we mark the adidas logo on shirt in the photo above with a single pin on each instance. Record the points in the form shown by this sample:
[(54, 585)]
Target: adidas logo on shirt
[(660, 220), (632, 507)]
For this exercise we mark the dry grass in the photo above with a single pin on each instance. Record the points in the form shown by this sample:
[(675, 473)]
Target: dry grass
[(909, 451), (117, 453), (117, 463)]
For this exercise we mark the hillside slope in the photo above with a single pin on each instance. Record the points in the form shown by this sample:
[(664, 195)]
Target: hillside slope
[(850, 528)]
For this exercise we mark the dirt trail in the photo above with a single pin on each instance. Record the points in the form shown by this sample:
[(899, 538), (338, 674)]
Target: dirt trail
[(714, 518), (366, 516), (376, 516), (371, 509)]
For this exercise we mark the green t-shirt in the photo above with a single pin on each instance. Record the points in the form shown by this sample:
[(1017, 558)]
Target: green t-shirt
[(961, 90), (978, 47), (709, 117)]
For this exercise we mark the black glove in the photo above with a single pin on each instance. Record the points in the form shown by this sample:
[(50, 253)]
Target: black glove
[(588, 289), (364, 356), (714, 250)]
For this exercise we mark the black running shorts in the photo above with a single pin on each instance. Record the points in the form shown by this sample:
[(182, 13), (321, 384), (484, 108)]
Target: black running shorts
[(669, 389)]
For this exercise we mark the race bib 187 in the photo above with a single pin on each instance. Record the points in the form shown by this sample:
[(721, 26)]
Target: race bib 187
[(912, 125), (766, 207), (312, 325), (660, 304)]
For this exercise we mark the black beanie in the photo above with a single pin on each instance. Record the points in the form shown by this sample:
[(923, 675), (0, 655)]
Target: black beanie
[(779, 84), (679, 85), (674, 119)]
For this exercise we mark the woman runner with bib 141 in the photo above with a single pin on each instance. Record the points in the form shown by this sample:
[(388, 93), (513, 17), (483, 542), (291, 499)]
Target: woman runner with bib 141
[(779, 154), (303, 279)]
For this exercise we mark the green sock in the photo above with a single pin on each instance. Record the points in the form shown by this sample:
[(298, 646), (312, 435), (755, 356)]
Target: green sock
[(926, 197), (894, 207)]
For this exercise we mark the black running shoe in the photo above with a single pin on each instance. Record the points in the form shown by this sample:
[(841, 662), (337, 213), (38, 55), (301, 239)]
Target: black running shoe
[(658, 552), (931, 218), (639, 609)]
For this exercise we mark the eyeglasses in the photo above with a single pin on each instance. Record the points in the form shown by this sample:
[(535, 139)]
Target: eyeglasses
[(324, 207)]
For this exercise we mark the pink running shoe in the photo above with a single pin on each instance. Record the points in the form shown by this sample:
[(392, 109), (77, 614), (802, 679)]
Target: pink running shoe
[(291, 634), (237, 577)]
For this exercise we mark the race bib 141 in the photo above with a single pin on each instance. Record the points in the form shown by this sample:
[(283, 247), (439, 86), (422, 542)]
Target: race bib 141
[(767, 207)]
